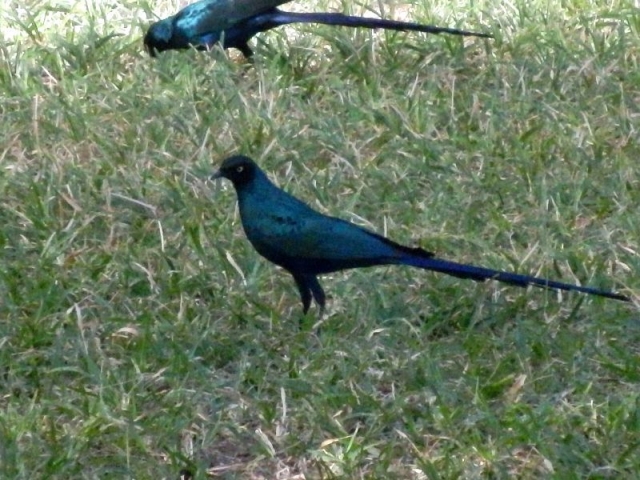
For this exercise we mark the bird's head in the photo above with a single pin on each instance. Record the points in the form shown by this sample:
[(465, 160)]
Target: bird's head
[(239, 169), (160, 37)]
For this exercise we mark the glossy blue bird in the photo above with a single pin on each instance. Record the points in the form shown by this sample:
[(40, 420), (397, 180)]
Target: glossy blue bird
[(234, 22), (307, 243)]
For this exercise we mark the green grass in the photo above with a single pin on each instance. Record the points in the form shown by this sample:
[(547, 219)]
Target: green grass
[(140, 334)]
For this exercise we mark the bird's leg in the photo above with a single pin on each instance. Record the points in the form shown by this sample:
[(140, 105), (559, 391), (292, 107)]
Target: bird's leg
[(305, 291), (318, 292), (309, 286), (245, 50)]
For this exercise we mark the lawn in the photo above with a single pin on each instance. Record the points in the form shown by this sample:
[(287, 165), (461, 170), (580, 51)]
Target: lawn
[(141, 335)]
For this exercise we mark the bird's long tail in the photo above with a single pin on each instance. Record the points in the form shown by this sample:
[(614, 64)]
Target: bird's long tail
[(481, 274), (339, 19)]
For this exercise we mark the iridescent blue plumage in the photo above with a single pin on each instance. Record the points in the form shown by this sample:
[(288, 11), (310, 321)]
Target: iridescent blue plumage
[(307, 243), (201, 24), (235, 22)]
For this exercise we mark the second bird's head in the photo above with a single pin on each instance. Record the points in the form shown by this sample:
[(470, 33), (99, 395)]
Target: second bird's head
[(178, 33), (158, 37), (164, 35), (239, 169)]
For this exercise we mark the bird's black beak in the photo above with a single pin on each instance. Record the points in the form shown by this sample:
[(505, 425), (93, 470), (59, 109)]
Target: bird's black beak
[(215, 175), (149, 48)]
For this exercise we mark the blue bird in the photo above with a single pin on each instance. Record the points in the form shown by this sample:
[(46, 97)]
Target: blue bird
[(307, 243), (234, 22)]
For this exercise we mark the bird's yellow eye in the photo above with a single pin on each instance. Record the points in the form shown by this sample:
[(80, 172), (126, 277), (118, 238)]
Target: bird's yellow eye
[(239, 169)]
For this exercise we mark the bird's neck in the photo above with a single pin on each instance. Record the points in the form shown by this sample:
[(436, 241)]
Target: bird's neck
[(255, 191)]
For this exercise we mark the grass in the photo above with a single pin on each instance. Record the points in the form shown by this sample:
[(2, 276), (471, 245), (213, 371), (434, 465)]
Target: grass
[(141, 335)]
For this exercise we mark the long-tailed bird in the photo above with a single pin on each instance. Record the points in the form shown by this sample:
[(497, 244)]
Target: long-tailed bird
[(307, 243), (235, 22)]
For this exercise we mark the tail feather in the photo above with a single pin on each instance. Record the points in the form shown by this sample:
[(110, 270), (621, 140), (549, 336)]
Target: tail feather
[(339, 19), (481, 274)]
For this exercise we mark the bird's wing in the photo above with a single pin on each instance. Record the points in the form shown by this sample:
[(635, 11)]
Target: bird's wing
[(208, 16), (313, 235)]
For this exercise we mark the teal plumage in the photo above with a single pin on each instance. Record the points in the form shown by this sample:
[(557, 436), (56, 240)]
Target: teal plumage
[(235, 22), (306, 243)]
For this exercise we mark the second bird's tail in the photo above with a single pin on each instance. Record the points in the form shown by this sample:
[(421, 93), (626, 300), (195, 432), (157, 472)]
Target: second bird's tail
[(338, 19)]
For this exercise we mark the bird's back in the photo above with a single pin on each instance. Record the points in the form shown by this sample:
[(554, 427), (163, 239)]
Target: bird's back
[(288, 232), (209, 16)]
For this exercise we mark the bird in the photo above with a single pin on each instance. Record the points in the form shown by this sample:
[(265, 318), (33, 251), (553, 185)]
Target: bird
[(234, 22), (307, 243)]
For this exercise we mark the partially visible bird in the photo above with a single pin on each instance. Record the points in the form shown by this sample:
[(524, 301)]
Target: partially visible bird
[(234, 22), (307, 243)]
